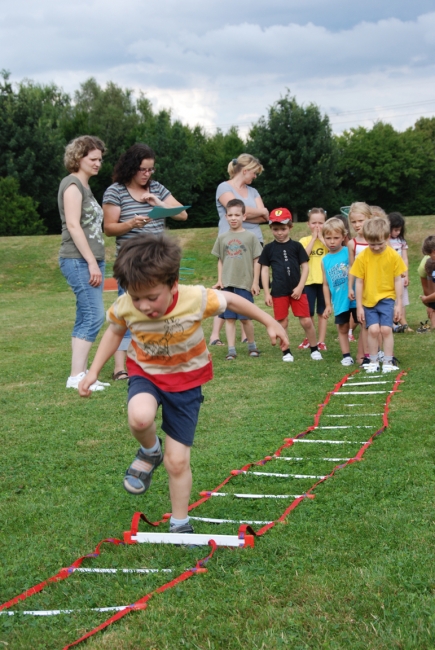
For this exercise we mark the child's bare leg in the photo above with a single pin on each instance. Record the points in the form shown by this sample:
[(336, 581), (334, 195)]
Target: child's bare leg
[(431, 315), (177, 463), (363, 346), (309, 329), (343, 337), (387, 335), (373, 337), (80, 352), (230, 329), (142, 409), (217, 326), (248, 330), (243, 334), (119, 357), (322, 328)]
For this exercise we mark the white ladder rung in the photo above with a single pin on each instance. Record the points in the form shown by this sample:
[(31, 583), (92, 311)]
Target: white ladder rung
[(353, 415), (308, 459), (56, 612), (280, 475), (252, 496), (85, 570), (331, 442), (230, 521), (347, 426), (189, 539), (368, 383), (362, 392)]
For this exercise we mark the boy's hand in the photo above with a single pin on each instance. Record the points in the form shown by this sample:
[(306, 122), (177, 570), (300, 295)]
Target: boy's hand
[(275, 330), (255, 289), (328, 311), (360, 315), (423, 299), (397, 313), (268, 300), (405, 280), (297, 292), (218, 285), (351, 294), (88, 380)]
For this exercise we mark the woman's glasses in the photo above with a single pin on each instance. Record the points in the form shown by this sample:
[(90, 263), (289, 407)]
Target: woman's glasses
[(146, 170)]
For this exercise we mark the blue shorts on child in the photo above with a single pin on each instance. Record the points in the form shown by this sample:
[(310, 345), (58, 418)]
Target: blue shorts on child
[(180, 410), (380, 314), (243, 293)]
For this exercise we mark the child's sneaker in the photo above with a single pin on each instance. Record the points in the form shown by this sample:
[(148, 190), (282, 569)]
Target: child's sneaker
[(138, 476), (304, 345), (364, 363), (322, 347), (381, 355), (391, 366), (347, 361), (316, 356), (424, 328), (351, 338), (371, 366), (183, 528), (288, 357), (73, 382)]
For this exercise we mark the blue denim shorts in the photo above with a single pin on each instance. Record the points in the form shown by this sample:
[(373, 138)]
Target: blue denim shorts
[(380, 314), (180, 410), (127, 336), (89, 300), (243, 293)]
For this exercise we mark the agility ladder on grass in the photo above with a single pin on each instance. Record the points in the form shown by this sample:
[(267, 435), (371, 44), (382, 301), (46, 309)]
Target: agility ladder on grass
[(246, 535)]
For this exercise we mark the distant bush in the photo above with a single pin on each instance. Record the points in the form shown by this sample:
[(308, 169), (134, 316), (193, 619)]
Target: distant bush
[(18, 214)]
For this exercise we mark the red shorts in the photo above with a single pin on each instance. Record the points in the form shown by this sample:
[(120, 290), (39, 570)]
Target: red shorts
[(300, 308)]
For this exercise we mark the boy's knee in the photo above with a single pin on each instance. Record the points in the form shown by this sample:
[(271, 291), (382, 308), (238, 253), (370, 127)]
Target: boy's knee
[(343, 328), (306, 322), (386, 330), (175, 464), (140, 420), (374, 330)]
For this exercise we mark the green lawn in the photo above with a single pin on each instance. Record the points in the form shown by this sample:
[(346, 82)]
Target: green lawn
[(352, 568)]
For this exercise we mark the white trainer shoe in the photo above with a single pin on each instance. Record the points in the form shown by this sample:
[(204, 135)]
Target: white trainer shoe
[(389, 367), (73, 382), (373, 366), (347, 361), (316, 356), (288, 357)]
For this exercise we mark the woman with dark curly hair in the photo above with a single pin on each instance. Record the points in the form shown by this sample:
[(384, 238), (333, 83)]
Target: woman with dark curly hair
[(81, 255), (126, 205)]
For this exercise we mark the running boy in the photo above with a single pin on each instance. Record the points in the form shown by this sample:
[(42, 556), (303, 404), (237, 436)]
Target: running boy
[(289, 262), (238, 251), (378, 271), (335, 268), (167, 360)]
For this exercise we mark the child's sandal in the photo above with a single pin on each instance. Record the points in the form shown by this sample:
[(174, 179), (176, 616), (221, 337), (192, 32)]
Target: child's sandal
[(137, 478), (254, 353), (231, 357)]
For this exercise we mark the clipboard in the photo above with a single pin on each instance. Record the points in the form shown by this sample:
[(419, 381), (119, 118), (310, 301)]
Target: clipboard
[(162, 213)]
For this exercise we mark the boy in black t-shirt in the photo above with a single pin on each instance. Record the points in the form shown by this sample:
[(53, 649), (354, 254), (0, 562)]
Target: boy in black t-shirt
[(289, 263)]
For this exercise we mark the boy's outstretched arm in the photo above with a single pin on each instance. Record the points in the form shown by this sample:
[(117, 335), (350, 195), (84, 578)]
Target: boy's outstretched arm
[(246, 308), (107, 348)]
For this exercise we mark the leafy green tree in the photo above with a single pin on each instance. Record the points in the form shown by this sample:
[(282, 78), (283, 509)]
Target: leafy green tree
[(18, 214), (388, 168), (296, 147), (32, 143)]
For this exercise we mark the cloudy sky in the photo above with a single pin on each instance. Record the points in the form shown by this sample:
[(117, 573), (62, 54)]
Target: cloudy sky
[(218, 63)]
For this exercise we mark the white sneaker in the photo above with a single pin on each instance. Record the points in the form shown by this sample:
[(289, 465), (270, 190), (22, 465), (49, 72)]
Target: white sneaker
[(288, 357), (347, 361), (389, 367), (316, 356), (373, 366), (73, 382)]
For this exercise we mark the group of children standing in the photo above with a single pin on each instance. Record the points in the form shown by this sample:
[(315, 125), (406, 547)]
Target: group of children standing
[(363, 279)]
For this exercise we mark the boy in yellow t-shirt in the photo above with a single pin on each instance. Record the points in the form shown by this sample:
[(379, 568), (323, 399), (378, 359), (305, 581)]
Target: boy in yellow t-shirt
[(378, 271), (316, 250)]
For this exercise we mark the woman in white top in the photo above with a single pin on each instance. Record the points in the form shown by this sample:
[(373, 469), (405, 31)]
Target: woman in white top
[(242, 171)]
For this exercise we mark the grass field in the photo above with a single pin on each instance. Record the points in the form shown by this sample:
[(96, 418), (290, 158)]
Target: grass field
[(352, 569)]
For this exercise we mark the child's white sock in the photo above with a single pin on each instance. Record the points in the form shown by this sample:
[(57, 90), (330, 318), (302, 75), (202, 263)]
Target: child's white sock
[(152, 449), (178, 522)]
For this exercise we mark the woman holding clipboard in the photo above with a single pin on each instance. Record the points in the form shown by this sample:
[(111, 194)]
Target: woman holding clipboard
[(127, 204)]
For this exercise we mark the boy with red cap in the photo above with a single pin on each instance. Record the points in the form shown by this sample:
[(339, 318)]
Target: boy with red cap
[(289, 263)]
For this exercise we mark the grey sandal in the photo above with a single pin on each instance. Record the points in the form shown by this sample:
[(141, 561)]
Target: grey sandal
[(138, 476)]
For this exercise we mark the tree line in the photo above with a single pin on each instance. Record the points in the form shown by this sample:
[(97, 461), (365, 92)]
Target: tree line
[(306, 165)]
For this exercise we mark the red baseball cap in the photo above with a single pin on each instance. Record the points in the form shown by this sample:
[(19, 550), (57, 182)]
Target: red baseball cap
[(280, 215)]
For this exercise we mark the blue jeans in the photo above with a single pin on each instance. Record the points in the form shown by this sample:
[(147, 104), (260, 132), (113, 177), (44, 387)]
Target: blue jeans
[(127, 336), (89, 300)]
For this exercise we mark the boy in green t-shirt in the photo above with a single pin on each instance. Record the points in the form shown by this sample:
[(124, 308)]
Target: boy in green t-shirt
[(238, 251)]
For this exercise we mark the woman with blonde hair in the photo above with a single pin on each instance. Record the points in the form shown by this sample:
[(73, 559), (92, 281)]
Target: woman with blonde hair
[(241, 171), (81, 255)]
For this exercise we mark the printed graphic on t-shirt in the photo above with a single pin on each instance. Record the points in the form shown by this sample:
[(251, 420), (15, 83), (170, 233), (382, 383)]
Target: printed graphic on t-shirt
[(161, 348), (286, 260), (235, 248), (338, 274)]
